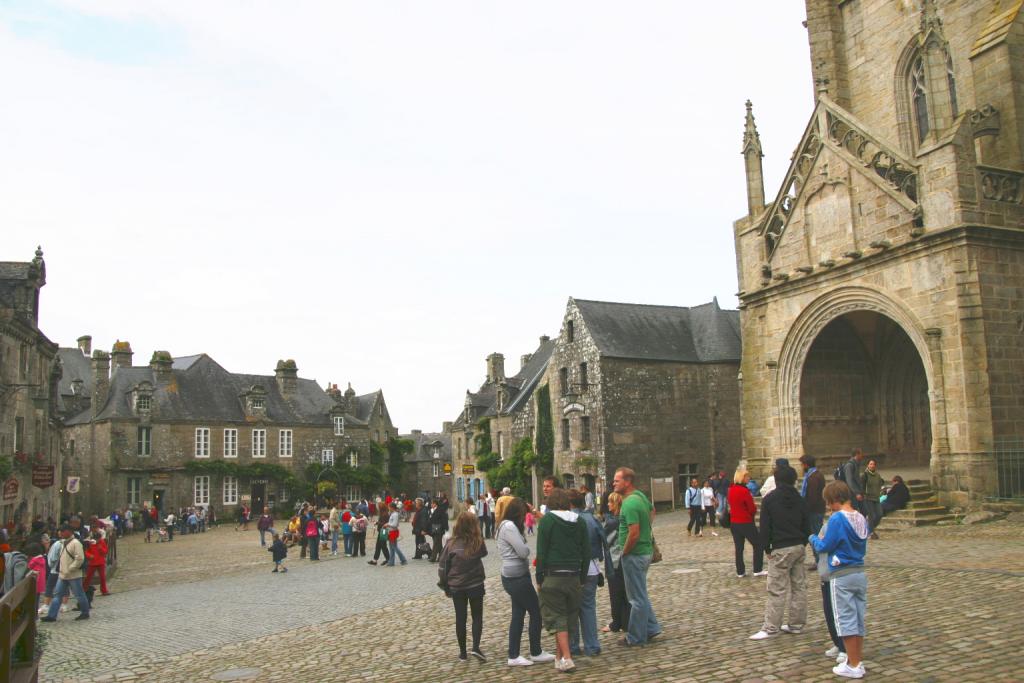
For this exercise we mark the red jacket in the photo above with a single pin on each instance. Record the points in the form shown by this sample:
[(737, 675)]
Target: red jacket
[(741, 505), (96, 553)]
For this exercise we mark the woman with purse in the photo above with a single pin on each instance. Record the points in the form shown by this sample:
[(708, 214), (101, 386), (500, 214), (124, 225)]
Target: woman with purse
[(438, 526), (613, 568), (382, 535), (461, 573), (392, 527)]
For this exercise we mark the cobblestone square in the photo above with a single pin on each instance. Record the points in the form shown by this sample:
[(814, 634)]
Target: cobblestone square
[(945, 604)]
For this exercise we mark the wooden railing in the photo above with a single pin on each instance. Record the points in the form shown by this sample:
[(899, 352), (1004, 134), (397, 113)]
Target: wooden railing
[(19, 662)]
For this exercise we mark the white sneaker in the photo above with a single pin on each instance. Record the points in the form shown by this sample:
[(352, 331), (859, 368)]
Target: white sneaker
[(542, 658), (741, 576), (714, 533), (832, 651), (520, 661), (761, 635), (786, 628), (43, 610), (64, 608), (567, 666), (848, 671), (841, 658), (761, 573)]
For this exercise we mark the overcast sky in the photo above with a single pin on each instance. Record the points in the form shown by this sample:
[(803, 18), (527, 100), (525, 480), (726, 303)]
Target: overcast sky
[(386, 192)]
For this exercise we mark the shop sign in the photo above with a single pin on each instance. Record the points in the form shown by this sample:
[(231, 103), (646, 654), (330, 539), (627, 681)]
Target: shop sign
[(448, 468), (469, 469), (42, 476), (160, 478), (11, 489)]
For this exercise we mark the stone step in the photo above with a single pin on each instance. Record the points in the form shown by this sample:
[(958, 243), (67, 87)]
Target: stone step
[(1003, 506), (892, 522)]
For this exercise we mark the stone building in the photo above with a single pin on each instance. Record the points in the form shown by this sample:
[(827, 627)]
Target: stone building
[(162, 432), (428, 468), (653, 388), (509, 408), (881, 289), (29, 420)]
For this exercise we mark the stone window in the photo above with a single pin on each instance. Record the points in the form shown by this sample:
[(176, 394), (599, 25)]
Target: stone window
[(919, 97), (353, 458), (19, 434), (583, 377), (437, 469), (143, 403), (258, 403), (202, 442), (585, 431), (570, 331), (201, 490), (352, 492), (339, 425), (327, 457), (230, 490), (134, 490), (259, 443), (230, 443), (565, 434), (144, 441), (569, 481), (563, 380), (386, 466), (284, 443)]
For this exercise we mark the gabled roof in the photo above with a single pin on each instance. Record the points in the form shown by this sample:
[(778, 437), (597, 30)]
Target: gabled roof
[(75, 365), (366, 403), (701, 334), (423, 440), (205, 391), (520, 386)]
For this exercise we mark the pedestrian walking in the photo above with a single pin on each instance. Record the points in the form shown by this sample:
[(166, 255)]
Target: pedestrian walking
[(785, 526), (461, 573), (53, 563), (843, 547), (708, 503), (637, 543), (348, 543), (265, 525), (393, 534), (72, 558), (563, 556), (531, 521), (421, 530), (36, 553), (334, 525), (617, 599), (812, 489), (380, 526), (850, 472), (359, 526), (742, 511), (96, 561), (438, 527), (692, 502), (278, 551), (871, 483), (312, 533), (586, 625), (515, 579)]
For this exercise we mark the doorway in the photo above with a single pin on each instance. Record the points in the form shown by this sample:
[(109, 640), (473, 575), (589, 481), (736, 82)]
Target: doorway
[(158, 501), (259, 497)]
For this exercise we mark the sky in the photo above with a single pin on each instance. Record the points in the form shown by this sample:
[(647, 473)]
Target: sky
[(384, 192)]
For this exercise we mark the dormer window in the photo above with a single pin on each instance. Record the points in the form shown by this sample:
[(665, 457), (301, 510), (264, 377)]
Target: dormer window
[(143, 404), (339, 425), (143, 398), (255, 400), (258, 403)]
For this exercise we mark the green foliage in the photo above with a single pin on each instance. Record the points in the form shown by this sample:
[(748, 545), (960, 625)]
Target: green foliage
[(482, 440), (545, 451), (6, 467), (514, 472), (397, 449), (327, 489), (256, 470)]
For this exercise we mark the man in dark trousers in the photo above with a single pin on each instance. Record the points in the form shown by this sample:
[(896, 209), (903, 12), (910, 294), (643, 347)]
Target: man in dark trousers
[(420, 528), (851, 475), (812, 490)]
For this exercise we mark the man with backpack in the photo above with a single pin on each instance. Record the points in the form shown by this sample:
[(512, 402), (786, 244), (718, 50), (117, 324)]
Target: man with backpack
[(72, 558), (849, 473)]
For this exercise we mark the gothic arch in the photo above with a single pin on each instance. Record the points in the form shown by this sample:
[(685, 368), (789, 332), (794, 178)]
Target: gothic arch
[(806, 328), (904, 108)]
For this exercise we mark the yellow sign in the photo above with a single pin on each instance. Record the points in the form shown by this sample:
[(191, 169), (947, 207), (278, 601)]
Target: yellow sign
[(447, 468), (468, 469)]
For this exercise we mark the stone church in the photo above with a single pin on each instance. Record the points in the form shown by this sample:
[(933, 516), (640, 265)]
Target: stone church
[(882, 287)]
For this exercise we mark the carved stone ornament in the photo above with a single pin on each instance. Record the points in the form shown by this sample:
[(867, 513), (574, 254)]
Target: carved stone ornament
[(984, 121), (1001, 185)]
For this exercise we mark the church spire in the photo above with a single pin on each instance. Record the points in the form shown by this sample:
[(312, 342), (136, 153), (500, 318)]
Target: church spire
[(752, 160)]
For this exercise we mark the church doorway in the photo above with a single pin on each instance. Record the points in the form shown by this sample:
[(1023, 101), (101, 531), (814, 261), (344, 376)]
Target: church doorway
[(863, 384)]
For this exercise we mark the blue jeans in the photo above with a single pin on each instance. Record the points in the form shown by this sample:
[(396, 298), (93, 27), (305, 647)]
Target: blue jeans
[(642, 623), (524, 601), (334, 541), (587, 623), (263, 535), (349, 544), (75, 586), (395, 550)]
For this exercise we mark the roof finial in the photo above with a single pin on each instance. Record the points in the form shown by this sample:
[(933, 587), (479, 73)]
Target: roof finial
[(751, 140)]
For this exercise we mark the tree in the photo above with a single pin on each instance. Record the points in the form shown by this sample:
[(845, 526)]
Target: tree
[(397, 449), (545, 452)]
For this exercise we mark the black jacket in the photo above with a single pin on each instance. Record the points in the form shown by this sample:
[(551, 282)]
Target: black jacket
[(439, 516), (421, 522), (784, 520), (279, 550)]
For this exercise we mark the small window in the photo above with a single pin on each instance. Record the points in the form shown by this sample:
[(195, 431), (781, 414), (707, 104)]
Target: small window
[(353, 459), (919, 97), (569, 481), (284, 443), (563, 380), (353, 492), (144, 441), (258, 403), (134, 490), (686, 471), (230, 443), (583, 377), (585, 431), (201, 490), (570, 331), (202, 442), (437, 469), (327, 457), (339, 425), (501, 446), (386, 467), (259, 443), (143, 404), (565, 434), (230, 490)]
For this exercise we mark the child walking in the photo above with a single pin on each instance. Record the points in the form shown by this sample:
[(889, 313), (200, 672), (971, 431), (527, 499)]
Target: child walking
[(841, 553), (278, 551), (529, 521)]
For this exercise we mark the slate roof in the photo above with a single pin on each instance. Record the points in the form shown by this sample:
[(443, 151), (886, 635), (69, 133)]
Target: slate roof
[(13, 274), (74, 365), (206, 392), (699, 334), (365, 405), (421, 454), (520, 386)]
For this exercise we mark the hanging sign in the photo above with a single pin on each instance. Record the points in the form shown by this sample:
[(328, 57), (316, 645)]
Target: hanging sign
[(42, 476), (73, 484), (11, 489)]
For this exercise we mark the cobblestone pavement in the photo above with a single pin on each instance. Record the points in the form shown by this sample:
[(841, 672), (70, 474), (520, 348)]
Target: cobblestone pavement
[(944, 604)]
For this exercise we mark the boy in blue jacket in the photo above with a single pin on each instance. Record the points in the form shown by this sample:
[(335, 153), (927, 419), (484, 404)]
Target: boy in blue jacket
[(841, 561), (278, 551)]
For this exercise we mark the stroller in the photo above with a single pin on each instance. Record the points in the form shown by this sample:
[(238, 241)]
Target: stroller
[(161, 534)]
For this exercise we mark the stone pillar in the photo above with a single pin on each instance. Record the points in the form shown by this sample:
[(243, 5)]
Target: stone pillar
[(752, 156)]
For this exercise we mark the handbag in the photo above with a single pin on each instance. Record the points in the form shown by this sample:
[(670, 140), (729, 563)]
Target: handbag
[(393, 535), (655, 551), (725, 519)]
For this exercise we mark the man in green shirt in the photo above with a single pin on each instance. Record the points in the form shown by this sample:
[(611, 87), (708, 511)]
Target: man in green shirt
[(637, 546)]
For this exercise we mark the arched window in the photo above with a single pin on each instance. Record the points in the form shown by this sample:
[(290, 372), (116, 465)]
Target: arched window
[(951, 82), (919, 97)]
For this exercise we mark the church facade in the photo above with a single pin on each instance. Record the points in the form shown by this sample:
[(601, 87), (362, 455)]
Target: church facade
[(881, 288)]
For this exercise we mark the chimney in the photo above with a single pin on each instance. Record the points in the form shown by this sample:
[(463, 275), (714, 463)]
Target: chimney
[(524, 359), (85, 345), (161, 363), (287, 376), (417, 432), (544, 338), (495, 368), (446, 427), (121, 355), (350, 403), (100, 380)]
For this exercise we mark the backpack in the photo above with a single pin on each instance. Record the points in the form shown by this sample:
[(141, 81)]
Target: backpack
[(840, 473), (15, 568)]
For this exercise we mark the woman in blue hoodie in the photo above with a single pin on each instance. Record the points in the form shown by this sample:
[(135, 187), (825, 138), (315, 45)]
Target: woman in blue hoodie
[(841, 552)]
